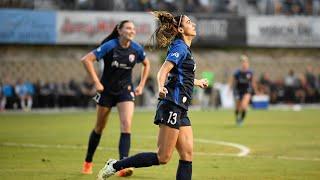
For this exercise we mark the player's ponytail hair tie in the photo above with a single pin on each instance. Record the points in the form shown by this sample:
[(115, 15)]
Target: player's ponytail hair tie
[(167, 29)]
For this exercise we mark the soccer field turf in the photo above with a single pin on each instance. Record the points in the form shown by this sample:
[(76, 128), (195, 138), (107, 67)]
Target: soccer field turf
[(282, 144)]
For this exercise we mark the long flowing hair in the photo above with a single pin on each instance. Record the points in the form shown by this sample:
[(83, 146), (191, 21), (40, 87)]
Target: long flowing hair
[(167, 29)]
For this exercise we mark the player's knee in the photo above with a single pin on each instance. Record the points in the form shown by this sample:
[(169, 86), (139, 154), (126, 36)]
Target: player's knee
[(164, 158), (186, 155), (244, 107), (125, 125)]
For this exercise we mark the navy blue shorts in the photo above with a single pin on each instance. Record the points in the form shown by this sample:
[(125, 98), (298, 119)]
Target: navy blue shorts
[(171, 115), (238, 95), (108, 100)]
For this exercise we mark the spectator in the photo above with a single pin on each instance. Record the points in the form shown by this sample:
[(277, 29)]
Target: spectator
[(168, 5), (265, 83), (119, 5), (65, 94), (310, 77), (47, 94), (300, 90), (9, 99), (24, 93), (292, 7), (310, 85), (149, 95), (88, 91), (203, 6), (316, 7), (75, 92), (2, 99), (225, 6), (290, 83)]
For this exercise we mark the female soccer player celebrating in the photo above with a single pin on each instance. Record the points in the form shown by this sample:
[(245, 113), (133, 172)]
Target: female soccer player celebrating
[(175, 97), (120, 54)]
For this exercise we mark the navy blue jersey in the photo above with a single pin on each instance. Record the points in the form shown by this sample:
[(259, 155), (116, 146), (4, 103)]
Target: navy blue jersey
[(118, 64), (180, 81), (243, 81)]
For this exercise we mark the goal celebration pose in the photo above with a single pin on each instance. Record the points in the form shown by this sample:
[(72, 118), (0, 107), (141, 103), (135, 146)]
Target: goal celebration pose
[(175, 85)]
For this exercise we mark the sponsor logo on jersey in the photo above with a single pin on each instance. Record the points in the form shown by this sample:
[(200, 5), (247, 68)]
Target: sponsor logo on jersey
[(99, 49), (132, 95), (132, 57), (115, 64), (176, 54)]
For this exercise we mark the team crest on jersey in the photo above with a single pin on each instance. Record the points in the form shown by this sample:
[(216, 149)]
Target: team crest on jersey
[(132, 57), (248, 76), (184, 99)]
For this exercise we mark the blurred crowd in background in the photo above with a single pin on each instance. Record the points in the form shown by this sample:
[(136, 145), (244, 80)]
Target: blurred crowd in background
[(22, 94), (232, 7), (292, 88), (302, 88)]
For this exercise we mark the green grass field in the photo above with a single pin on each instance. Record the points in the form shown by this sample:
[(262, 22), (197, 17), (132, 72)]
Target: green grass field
[(283, 145)]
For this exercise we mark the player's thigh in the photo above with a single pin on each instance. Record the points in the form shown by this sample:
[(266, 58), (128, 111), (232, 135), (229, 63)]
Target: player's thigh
[(102, 115), (125, 110), (184, 144), (245, 100), (238, 103), (167, 139)]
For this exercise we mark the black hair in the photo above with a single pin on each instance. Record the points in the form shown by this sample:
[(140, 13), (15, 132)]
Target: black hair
[(115, 34)]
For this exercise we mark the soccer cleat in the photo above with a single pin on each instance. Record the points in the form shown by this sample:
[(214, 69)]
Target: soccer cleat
[(87, 168), (125, 172), (107, 170), (239, 122)]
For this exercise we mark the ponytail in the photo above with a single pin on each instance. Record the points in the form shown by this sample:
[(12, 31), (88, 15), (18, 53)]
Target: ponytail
[(167, 30), (114, 34)]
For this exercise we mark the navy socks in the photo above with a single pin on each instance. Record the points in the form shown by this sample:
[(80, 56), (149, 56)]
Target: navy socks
[(124, 145), (94, 140), (243, 115), (139, 160), (184, 171)]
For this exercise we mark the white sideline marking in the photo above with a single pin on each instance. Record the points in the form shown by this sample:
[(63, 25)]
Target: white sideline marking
[(59, 146), (241, 154), (244, 151)]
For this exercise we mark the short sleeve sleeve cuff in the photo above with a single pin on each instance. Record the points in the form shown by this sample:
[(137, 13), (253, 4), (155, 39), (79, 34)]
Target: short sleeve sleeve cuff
[(175, 55)]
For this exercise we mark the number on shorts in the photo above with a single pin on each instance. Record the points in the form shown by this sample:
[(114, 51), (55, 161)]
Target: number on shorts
[(172, 118), (97, 97)]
